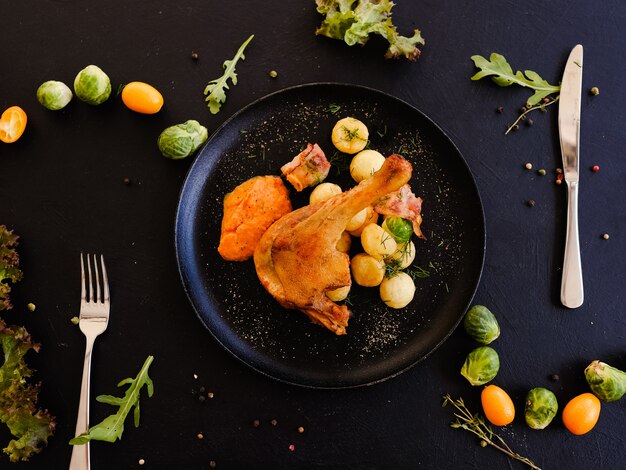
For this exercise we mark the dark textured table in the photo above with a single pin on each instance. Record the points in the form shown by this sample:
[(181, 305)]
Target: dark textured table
[(62, 190)]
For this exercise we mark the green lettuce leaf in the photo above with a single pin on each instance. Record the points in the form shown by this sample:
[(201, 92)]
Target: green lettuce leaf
[(352, 21), (9, 261), (18, 398)]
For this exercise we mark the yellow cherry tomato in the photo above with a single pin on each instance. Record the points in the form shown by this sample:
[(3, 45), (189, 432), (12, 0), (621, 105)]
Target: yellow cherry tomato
[(581, 413), (142, 98), (12, 124), (497, 405)]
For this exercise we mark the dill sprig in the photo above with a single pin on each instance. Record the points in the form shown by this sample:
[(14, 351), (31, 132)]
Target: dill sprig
[(475, 424), (333, 108)]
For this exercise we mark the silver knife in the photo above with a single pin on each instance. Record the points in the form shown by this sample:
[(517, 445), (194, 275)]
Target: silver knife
[(572, 293)]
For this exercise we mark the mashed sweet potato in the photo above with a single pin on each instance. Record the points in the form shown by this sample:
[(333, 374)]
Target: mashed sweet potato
[(249, 210)]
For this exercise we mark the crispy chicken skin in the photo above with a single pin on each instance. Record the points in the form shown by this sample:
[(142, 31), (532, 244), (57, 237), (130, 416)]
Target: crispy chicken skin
[(297, 260)]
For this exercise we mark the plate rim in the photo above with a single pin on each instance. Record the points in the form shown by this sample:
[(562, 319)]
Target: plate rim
[(294, 88)]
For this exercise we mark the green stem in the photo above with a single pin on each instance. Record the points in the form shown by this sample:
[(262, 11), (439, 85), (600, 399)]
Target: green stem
[(523, 115)]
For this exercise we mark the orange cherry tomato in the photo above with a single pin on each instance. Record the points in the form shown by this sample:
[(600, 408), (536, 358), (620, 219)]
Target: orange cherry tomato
[(12, 124), (142, 98), (497, 405), (581, 413)]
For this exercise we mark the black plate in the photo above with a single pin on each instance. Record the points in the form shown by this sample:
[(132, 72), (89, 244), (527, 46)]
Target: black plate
[(381, 342)]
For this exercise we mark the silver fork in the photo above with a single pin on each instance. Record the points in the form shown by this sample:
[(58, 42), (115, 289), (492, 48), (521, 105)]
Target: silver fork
[(94, 318)]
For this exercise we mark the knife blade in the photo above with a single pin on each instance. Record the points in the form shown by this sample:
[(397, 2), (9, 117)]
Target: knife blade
[(572, 292)]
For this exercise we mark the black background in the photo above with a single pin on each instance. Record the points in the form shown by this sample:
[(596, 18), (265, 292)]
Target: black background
[(62, 190)]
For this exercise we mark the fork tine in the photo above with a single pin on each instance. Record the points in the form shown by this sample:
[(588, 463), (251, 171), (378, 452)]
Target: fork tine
[(90, 285), (105, 280), (83, 292), (98, 297)]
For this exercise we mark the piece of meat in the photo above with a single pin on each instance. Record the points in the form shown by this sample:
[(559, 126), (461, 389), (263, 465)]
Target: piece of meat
[(297, 260), (403, 203), (249, 210), (308, 168)]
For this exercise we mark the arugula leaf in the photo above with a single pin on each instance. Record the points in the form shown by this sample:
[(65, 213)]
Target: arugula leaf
[(112, 427), (354, 20), (215, 91), (502, 74)]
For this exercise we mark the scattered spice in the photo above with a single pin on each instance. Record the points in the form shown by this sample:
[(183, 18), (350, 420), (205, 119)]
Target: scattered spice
[(530, 122), (273, 73), (200, 436), (31, 307), (141, 461), (530, 203), (595, 168), (594, 91), (127, 181), (542, 172), (499, 110), (528, 166), (555, 377), (210, 394), (605, 236), (292, 447), (75, 320), (194, 56), (301, 429), (256, 423), (195, 376), (483, 443), (212, 464), (274, 422), (201, 398)]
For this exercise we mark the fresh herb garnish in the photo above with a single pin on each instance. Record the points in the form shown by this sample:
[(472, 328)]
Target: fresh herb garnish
[(112, 427), (340, 162), (215, 91), (475, 424), (333, 108), (502, 74)]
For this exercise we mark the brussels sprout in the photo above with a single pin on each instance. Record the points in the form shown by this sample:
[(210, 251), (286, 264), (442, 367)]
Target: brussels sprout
[(606, 382), (182, 140), (481, 324), (92, 85), (400, 229), (541, 407), (481, 365), (54, 95)]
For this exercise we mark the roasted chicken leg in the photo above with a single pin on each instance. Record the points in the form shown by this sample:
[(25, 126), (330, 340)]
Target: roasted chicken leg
[(297, 260)]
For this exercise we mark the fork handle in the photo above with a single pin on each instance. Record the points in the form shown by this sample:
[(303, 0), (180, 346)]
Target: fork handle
[(80, 453)]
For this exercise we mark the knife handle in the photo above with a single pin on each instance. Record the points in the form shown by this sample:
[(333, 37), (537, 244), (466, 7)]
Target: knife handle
[(572, 293)]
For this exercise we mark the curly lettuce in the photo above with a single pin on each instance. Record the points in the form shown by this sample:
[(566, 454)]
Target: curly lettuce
[(30, 426), (9, 261), (354, 20)]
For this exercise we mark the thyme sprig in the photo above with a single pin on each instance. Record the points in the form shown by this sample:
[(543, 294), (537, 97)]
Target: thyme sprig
[(475, 424), (542, 106)]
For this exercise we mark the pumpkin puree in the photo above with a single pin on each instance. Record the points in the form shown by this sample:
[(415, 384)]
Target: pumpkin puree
[(249, 210)]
